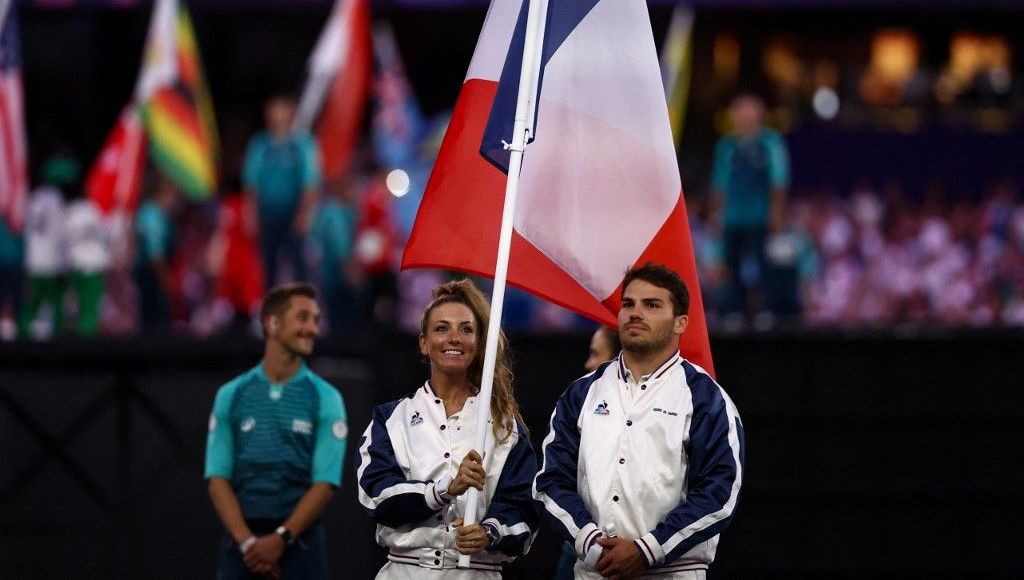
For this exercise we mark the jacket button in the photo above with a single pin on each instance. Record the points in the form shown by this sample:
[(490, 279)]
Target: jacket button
[(438, 401), (643, 387), (447, 455), (443, 427), (437, 553), (622, 460), (615, 498), (437, 562), (629, 423)]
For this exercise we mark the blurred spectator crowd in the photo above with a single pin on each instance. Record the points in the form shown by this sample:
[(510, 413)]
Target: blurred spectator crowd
[(867, 258), (874, 258)]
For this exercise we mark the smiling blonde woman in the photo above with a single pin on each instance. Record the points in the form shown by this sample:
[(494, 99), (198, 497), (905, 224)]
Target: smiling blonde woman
[(417, 459)]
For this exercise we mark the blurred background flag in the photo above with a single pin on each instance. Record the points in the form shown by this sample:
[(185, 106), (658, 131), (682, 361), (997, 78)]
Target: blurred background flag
[(676, 67), (175, 105), (335, 94), (599, 190), (115, 179), (13, 148), (397, 121), (399, 129)]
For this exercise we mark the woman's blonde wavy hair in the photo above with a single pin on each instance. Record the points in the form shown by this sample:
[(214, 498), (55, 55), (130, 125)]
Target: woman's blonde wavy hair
[(504, 408)]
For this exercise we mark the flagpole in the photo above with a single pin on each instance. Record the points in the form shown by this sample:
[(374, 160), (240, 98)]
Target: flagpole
[(525, 105)]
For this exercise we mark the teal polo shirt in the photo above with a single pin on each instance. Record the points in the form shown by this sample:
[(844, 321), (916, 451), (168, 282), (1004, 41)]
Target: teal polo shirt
[(746, 170), (279, 171), (273, 441), (154, 233), (333, 232), (11, 246)]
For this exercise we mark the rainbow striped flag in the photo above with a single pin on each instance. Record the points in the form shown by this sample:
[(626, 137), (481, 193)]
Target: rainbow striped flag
[(175, 105)]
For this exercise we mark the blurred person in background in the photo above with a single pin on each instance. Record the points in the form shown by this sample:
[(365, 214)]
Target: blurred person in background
[(282, 173), (376, 247), (835, 295), (750, 177), (154, 254), (194, 294), (275, 449), (45, 247), (119, 310), (12, 249), (790, 264), (709, 251), (333, 237), (234, 263), (604, 346), (417, 459), (88, 239)]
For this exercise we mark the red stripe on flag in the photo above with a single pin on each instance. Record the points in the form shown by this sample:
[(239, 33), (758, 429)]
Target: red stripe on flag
[(182, 111), (672, 247)]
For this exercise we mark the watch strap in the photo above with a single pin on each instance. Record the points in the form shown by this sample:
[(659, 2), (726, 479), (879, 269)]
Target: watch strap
[(285, 534)]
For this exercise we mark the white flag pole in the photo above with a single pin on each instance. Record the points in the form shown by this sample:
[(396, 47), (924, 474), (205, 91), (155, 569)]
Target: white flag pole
[(525, 106)]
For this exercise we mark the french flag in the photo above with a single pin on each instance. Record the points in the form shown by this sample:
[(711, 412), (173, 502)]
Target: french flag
[(599, 190)]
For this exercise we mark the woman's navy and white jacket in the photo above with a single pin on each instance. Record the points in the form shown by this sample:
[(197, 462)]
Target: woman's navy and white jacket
[(660, 458), (407, 458)]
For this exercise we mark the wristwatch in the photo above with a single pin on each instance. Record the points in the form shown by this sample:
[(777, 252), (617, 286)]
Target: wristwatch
[(287, 536), (492, 534)]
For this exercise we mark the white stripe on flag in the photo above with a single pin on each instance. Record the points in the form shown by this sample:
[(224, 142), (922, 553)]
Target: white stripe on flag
[(605, 146), (495, 37)]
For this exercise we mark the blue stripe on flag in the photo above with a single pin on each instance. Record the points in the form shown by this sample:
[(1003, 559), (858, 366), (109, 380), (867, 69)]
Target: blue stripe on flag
[(10, 43), (563, 17)]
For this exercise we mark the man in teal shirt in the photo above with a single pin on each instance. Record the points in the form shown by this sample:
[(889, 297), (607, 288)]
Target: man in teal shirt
[(282, 172), (333, 234), (275, 449), (749, 180), (154, 255)]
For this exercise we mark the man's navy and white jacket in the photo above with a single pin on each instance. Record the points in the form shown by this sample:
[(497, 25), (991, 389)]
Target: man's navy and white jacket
[(408, 457), (661, 458)]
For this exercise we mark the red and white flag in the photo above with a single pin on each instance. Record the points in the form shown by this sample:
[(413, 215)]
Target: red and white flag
[(599, 190), (13, 141), (334, 98), (115, 179)]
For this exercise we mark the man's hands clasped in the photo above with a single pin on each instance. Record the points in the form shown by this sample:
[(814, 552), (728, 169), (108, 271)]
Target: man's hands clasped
[(263, 555)]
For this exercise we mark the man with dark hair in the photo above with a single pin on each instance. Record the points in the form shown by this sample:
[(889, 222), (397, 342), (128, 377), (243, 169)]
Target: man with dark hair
[(643, 461), (275, 449), (662, 277)]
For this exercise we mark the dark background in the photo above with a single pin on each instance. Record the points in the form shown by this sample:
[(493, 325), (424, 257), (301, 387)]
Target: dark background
[(868, 456)]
